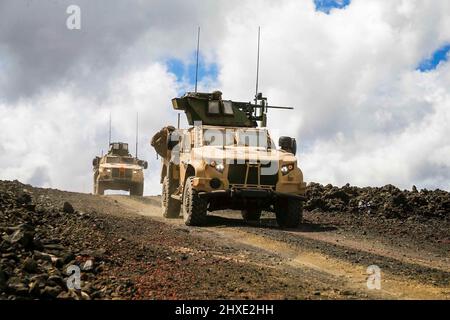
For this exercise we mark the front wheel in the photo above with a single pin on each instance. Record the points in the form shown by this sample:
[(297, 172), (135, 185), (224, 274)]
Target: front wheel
[(100, 189), (289, 212), (170, 207), (251, 214), (194, 207), (137, 190)]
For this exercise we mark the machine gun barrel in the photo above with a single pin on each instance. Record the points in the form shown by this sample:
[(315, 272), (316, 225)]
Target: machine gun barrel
[(244, 105), (275, 107)]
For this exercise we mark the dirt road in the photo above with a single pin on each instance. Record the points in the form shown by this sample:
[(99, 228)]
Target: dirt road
[(134, 253), (327, 260)]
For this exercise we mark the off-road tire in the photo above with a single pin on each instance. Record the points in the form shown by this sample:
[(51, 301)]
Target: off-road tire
[(194, 208), (100, 189), (170, 207), (251, 214), (137, 190), (289, 212)]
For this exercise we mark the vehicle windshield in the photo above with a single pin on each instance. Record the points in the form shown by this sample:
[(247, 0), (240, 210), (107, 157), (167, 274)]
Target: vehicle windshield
[(252, 138), (236, 137), (218, 137), (127, 160)]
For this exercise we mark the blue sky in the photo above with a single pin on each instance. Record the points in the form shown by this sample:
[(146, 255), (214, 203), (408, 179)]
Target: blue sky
[(327, 5), (186, 72), (433, 61)]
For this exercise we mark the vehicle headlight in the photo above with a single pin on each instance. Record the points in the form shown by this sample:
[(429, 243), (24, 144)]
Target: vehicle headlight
[(218, 166), (135, 171), (285, 169), (108, 170)]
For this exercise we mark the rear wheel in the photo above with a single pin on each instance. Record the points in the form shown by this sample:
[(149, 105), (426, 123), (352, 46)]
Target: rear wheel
[(251, 214), (289, 212), (170, 207), (137, 190), (194, 207)]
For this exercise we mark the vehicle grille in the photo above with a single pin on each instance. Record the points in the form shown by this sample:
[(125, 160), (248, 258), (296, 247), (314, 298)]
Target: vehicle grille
[(237, 174), (122, 173)]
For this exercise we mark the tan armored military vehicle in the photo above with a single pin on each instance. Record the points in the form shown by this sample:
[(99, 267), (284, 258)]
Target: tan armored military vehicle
[(119, 170), (225, 161)]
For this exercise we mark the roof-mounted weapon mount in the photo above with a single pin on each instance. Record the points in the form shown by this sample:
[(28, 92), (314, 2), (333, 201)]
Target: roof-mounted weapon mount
[(211, 109), (258, 111), (118, 149)]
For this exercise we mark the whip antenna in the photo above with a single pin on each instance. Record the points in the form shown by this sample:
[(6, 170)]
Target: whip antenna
[(257, 67), (137, 130), (109, 139), (196, 66)]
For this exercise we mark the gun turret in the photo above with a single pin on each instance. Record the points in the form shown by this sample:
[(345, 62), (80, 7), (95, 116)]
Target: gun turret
[(210, 109), (118, 149)]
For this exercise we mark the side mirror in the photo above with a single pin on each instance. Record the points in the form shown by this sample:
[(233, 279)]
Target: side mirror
[(288, 144), (143, 164), (95, 161)]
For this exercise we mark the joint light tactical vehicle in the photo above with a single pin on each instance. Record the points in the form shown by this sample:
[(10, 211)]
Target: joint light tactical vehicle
[(225, 161), (119, 170)]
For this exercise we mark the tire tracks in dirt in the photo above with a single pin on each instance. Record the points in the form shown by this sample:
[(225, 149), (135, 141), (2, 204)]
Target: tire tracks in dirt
[(340, 259)]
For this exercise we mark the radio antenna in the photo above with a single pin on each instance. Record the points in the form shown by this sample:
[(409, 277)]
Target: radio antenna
[(109, 139), (257, 66), (137, 130), (196, 66)]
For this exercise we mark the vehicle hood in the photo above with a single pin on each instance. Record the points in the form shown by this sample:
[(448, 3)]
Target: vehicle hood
[(242, 153), (120, 165)]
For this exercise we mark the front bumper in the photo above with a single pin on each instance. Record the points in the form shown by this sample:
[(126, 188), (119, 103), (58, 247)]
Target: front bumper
[(204, 185), (249, 193), (238, 199), (119, 184)]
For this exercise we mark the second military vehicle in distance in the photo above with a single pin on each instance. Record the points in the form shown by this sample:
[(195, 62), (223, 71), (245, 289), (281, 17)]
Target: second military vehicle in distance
[(119, 170), (225, 161)]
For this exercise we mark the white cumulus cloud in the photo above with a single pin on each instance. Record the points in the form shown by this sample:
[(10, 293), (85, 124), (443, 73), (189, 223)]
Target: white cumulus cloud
[(363, 113)]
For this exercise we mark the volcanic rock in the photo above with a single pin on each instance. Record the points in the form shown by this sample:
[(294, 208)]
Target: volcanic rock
[(68, 208)]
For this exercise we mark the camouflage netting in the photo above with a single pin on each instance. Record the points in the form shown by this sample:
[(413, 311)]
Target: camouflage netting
[(388, 201)]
